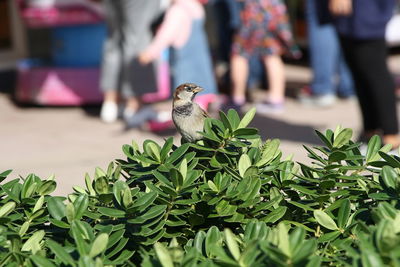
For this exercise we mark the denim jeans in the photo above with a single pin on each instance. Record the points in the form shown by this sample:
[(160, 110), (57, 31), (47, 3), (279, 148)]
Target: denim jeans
[(330, 72)]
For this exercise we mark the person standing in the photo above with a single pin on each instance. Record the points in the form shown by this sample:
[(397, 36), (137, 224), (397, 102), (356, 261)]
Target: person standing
[(264, 32), (331, 75), (129, 31), (183, 30), (361, 26)]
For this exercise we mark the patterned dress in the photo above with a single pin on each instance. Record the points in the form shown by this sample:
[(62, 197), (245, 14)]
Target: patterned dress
[(265, 30)]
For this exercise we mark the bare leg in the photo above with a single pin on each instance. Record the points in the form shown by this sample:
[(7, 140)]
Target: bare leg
[(132, 106), (111, 96), (276, 78), (239, 74), (392, 139)]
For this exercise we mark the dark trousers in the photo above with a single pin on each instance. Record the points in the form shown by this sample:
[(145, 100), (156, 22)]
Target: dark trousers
[(373, 83)]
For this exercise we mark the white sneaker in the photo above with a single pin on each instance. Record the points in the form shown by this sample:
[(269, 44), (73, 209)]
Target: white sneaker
[(109, 112), (323, 101)]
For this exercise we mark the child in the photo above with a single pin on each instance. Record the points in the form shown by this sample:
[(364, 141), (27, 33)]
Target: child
[(183, 30), (265, 32)]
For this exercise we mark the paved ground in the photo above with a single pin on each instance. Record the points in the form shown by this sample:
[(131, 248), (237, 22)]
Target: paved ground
[(69, 142)]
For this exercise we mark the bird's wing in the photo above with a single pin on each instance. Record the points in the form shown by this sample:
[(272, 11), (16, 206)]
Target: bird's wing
[(204, 113)]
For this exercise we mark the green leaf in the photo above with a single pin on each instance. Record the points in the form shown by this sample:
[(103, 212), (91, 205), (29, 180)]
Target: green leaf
[(24, 228), (179, 152), (232, 244), (127, 197), (89, 185), (374, 145), (160, 177), (4, 175), (392, 161), (245, 132), (101, 185), (7, 208), (80, 243), (41, 261), (176, 178), (47, 188), (99, 245), (324, 139), (70, 212), (163, 255), (213, 237), (111, 212), (233, 118), (145, 200), (60, 252), (270, 151), (32, 244), (342, 138), (152, 149), (118, 188), (329, 237), (56, 207), (248, 117), (325, 220), (369, 258), (80, 205), (183, 168), (275, 215), (244, 164), (59, 223), (212, 186), (166, 148), (225, 121), (154, 212), (344, 213), (337, 156), (121, 259), (389, 177), (39, 204)]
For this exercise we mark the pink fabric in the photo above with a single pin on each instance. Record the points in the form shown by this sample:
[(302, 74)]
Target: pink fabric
[(176, 27), (58, 86), (163, 83), (205, 100)]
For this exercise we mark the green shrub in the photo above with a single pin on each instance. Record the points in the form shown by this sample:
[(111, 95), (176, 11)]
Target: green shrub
[(229, 200)]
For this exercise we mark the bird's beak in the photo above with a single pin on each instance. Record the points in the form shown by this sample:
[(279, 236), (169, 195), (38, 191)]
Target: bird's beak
[(197, 89)]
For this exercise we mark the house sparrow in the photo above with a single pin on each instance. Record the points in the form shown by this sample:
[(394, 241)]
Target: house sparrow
[(188, 116)]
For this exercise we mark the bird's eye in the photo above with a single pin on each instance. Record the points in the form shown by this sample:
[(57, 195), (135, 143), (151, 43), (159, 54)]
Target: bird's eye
[(188, 88)]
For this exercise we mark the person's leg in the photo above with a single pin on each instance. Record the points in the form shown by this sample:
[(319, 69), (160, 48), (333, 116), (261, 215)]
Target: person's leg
[(364, 95), (383, 89), (239, 74), (136, 20), (323, 48), (375, 86), (111, 63), (276, 78), (345, 87)]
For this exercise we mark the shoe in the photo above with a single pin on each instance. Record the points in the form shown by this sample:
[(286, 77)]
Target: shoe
[(109, 112), (268, 107), (307, 98), (140, 117), (225, 107), (323, 101)]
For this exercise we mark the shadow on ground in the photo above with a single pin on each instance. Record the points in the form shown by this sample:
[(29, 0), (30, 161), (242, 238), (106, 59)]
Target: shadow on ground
[(274, 128)]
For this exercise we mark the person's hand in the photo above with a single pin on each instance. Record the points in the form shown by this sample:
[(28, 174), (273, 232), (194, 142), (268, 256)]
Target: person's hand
[(145, 58), (341, 7)]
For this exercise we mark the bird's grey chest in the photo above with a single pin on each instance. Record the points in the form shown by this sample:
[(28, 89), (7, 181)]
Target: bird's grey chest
[(187, 121), (183, 111)]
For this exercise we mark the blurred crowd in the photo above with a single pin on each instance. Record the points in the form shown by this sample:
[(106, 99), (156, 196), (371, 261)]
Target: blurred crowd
[(347, 52)]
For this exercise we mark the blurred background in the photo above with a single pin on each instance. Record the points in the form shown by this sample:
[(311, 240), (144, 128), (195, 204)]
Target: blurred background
[(51, 99)]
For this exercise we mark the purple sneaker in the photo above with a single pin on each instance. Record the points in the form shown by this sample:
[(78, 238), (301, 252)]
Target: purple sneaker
[(268, 107)]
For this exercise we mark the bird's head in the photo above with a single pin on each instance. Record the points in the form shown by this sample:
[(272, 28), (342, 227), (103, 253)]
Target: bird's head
[(186, 92)]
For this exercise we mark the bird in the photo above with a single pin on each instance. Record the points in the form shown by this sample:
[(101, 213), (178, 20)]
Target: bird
[(187, 115)]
